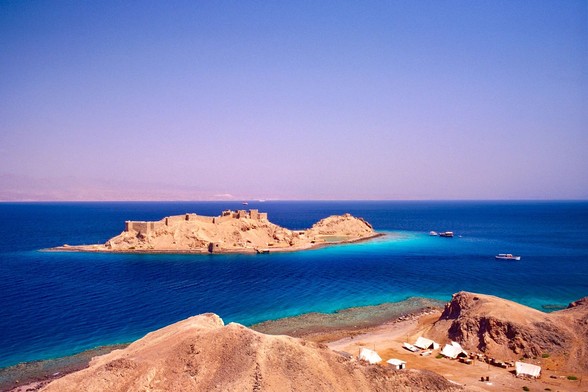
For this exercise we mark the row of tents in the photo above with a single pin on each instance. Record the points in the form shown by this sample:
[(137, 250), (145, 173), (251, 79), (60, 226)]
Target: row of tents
[(452, 350)]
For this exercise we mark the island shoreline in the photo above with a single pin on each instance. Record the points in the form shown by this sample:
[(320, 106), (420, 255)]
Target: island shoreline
[(88, 249)]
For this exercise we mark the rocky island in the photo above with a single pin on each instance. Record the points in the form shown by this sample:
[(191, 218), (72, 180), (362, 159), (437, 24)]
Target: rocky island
[(231, 232)]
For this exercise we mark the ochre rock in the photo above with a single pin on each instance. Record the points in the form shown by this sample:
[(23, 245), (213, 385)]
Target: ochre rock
[(201, 354), (507, 330)]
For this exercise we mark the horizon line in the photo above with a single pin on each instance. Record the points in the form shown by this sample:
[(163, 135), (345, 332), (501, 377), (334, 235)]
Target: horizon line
[(292, 200)]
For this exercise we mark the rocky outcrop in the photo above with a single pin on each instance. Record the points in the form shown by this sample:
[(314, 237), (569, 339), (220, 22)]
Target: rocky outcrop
[(580, 302), (201, 354), (233, 231), (341, 225), (508, 330)]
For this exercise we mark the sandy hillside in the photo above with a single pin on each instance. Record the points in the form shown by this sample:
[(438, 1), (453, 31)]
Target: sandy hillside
[(232, 231), (507, 330), (201, 354)]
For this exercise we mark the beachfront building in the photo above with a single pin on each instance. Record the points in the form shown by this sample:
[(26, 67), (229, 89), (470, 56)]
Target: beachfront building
[(369, 356), (527, 369), (396, 364)]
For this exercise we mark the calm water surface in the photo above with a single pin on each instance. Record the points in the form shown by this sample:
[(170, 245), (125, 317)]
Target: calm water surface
[(54, 304)]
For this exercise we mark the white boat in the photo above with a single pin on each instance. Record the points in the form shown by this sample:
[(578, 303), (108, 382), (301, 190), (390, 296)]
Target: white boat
[(448, 234), (433, 233), (507, 256)]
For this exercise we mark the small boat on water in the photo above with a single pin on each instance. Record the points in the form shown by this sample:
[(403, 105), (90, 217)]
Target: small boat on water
[(433, 233), (448, 234), (245, 203), (507, 256)]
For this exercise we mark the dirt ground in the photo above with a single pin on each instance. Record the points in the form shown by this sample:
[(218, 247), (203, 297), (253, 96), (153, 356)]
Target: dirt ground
[(387, 340), (387, 337)]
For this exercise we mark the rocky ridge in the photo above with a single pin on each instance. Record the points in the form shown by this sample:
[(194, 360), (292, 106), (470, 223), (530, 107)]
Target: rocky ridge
[(507, 330), (202, 354)]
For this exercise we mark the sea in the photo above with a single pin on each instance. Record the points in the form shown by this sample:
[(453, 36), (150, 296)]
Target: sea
[(54, 304)]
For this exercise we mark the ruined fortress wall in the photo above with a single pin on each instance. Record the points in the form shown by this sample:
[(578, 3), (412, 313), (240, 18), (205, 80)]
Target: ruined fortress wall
[(141, 227), (171, 220), (198, 218), (147, 227), (224, 218)]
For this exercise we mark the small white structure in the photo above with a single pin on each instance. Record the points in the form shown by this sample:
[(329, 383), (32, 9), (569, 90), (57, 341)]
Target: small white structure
[(370, 356), (410, 347), (453, 351), (426, 344), (527, 369), (396, 364)]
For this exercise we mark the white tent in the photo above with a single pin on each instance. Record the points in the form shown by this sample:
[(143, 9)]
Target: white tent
[(426, 344), (453, 350), (370, 356), (527, 369), (396, 363)]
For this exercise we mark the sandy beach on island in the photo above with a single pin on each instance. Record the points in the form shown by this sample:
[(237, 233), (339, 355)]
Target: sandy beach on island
[(383, 328)]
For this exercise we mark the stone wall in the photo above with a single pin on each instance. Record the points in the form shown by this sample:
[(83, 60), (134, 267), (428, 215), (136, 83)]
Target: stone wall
[(171, 220), (223, 218), (199, 218), (227, 215), (142, 227)]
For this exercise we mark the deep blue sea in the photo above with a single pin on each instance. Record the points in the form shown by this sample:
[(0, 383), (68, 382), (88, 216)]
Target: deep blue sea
[(55, 304)]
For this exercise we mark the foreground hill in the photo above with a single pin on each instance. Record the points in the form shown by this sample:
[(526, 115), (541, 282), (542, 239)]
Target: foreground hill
[(231, 232), (201, 354), (507, 330)]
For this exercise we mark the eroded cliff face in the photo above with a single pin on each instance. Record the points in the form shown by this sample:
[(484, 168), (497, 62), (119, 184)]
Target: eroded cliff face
[(509, 330), (202, 354)]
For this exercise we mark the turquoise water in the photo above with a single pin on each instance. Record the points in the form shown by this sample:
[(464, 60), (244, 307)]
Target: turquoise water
[(55, 304)]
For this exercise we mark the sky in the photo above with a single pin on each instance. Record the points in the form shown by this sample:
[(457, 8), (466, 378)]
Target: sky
[(318, 100)]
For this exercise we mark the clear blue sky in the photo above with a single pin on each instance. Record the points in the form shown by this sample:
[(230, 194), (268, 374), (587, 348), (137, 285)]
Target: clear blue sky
[(293, 100)]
